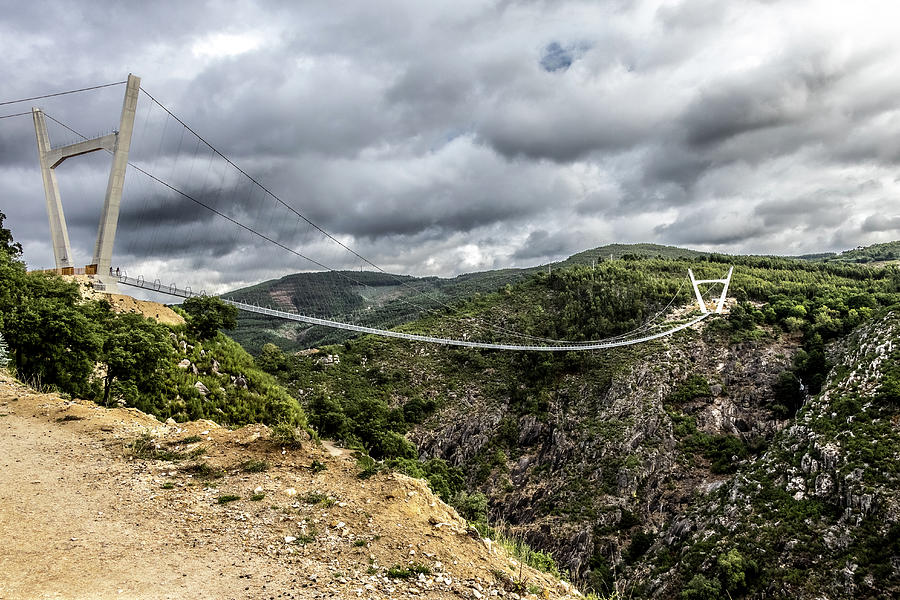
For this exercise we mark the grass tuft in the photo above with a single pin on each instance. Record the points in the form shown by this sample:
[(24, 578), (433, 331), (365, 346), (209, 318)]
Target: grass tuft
[(204, 471), (68, 418), (254, 466)]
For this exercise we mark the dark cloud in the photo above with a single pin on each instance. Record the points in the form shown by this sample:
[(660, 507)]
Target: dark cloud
[(711, 228), (541, 243), (444, 137), (820, 209), (881, 222)]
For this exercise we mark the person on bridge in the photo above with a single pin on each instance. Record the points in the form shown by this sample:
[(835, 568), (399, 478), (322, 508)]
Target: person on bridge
[(117, 271)]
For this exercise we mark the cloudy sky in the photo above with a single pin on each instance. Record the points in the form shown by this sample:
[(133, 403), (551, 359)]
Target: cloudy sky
[(443, 137)]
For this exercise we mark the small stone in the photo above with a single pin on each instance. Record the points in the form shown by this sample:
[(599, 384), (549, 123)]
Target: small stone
[(290, 492), (289, 539)]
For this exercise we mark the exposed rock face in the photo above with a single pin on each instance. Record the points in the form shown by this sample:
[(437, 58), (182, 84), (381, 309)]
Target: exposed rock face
[(822, 503), (604, 457)]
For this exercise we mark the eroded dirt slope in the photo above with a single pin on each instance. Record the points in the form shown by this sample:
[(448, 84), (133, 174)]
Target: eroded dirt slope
[(82, 517)]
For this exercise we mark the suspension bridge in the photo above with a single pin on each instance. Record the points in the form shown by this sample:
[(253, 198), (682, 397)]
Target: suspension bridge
[(236, 200)]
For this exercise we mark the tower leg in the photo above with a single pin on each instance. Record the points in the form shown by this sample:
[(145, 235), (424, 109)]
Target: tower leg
[(725, 283), (106, 234), (59, 234), (697, 292)]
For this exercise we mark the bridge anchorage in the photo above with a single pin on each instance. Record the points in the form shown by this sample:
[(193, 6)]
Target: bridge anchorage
[(117, 144)]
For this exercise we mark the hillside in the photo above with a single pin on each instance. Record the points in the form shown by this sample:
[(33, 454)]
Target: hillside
[(600, 458), (386, 300), (818, 513), (876, 253), (111, 503)]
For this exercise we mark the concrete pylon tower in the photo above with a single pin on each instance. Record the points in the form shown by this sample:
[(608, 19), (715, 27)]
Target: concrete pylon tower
[(59, 234), (725, 282), (118, 144), (109, 220)]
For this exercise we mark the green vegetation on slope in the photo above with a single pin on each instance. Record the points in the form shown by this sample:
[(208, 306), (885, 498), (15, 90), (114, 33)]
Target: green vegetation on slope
[(816, 515), (59, 341), (876, 253), (380, 389)]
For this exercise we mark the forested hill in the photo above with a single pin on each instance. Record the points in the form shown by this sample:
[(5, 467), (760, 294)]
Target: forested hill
[(387, 300), (876, 253), (754, 456)]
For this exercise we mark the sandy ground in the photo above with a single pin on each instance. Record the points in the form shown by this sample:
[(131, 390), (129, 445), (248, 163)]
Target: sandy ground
[(81, 517), (122, 303)]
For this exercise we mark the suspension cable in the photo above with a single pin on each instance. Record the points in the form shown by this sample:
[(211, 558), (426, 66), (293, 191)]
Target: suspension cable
[(274, 196), (86, 89)]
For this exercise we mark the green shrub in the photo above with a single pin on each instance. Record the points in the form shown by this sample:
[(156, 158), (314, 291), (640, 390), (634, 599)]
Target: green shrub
[(254, 466), (640, 543), (286, 433), (695, 386), (702, 588), (472, 507), (208, 314)]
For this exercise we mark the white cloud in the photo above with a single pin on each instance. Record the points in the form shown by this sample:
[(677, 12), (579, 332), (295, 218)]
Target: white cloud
[(431, 137)]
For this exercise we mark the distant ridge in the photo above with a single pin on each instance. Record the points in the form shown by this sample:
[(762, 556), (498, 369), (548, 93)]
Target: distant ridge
[(876, 253), (621, 250), (387, 300)]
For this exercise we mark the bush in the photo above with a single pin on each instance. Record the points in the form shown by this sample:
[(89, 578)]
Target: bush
[(702, 588), (286, 433), (693, 387), (207, 315), (444, 480), (472, 507), (640, 543), (735, 571)]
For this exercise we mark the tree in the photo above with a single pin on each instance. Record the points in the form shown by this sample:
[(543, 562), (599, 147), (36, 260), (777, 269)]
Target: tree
[(134, 352), (702, 588), (208, 314), (54, 341), (12, 249)]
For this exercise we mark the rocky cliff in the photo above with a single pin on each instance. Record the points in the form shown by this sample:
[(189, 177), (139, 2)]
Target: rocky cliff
[(620, 447), (818, 514)]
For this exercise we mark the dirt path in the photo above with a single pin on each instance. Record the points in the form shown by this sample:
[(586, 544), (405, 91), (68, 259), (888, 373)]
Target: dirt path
[(79, 522), (332, 449), (80, 517)]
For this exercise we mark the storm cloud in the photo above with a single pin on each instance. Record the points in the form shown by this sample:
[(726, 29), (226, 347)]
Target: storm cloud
[(437, 138)]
